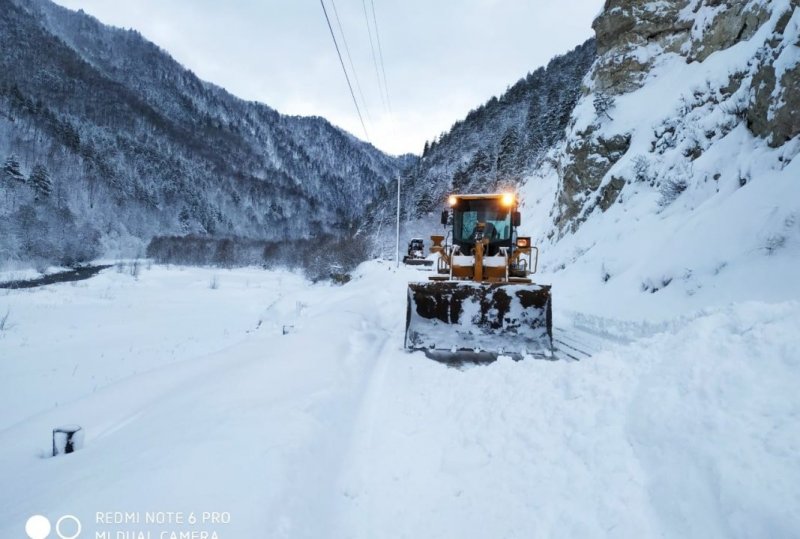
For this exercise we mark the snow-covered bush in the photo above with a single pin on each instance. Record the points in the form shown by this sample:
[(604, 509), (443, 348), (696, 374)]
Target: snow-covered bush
[(670, 190), (135, 269), (641, 169), (4, 324), (603, 103), (774, 243), (334, 258), (323, 258)]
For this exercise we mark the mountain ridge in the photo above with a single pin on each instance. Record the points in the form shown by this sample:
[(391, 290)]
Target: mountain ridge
[(136, 145)]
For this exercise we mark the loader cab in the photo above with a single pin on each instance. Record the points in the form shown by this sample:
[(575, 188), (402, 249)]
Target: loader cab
[(476, 217), (416, 246)]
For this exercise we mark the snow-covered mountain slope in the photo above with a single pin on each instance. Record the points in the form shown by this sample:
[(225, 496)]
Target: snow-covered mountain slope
[(294, 408), (666, 183), (660, 100), (131, 144)]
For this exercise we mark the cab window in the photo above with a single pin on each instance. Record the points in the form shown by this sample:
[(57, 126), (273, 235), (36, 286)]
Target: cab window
[(468, 213)]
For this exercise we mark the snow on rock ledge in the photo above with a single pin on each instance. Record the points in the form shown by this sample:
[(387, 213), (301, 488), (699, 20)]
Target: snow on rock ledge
[(673, 80)]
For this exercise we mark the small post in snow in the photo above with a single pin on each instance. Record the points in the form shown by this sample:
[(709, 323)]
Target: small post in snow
[(397, 242), (67, 439)]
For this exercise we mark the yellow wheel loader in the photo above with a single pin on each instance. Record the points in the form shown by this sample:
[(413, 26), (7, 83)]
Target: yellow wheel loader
[(481, 302)]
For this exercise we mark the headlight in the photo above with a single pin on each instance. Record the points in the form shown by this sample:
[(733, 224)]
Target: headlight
[(523, 242)]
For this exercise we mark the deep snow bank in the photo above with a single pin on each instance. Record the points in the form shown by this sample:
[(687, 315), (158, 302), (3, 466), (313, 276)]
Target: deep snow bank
[(317, 423)]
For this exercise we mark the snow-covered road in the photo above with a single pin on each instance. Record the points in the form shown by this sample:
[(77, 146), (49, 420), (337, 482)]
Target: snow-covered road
[(294, 408)]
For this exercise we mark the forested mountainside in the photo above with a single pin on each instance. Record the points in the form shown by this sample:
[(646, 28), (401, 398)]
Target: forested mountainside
[(502, 141), (106, 141)]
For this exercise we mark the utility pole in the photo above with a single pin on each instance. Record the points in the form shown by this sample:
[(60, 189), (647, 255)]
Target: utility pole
[(397, 239)]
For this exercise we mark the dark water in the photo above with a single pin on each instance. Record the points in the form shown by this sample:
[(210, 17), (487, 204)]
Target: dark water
[(78, 274)]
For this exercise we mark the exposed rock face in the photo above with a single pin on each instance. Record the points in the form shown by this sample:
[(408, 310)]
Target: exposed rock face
[(786, 114), (624, 30), (735, 21), (631, 34), (774, 110), (591, 157), (635, 37)]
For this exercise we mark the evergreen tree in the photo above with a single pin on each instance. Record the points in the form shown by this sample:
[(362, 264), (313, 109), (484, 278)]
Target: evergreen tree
[(11, 170), (424, 202), (480, 171), (507, 162), (41, 182), (460, 181)]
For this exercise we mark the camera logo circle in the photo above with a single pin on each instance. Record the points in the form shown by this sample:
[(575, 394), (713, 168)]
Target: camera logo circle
[(37, 527), (75, 527), (67, 527)]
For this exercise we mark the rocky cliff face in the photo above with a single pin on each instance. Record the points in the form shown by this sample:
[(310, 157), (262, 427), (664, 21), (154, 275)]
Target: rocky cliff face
[(672, 80), (632, 33)]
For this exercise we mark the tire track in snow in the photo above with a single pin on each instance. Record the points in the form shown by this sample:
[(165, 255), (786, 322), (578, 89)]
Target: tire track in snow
[(310, 506), (348, 487)]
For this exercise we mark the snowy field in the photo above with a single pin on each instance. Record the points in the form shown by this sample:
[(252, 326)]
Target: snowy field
[(293, 408)]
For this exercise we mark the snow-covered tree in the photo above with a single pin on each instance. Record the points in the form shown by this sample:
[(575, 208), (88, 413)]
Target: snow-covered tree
[(40, 182), (11, 171), (508, 163), (603, 103)]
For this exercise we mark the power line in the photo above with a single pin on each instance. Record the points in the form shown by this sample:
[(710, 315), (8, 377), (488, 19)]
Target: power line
[(344, 70), (372, 50), (350, 60), (386, 103), (380, 52)]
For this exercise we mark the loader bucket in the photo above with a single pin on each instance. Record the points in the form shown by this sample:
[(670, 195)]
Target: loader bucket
[(454, 317), (408, 261)]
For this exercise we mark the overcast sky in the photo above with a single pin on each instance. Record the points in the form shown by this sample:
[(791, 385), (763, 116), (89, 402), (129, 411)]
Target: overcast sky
[(441, 59)]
